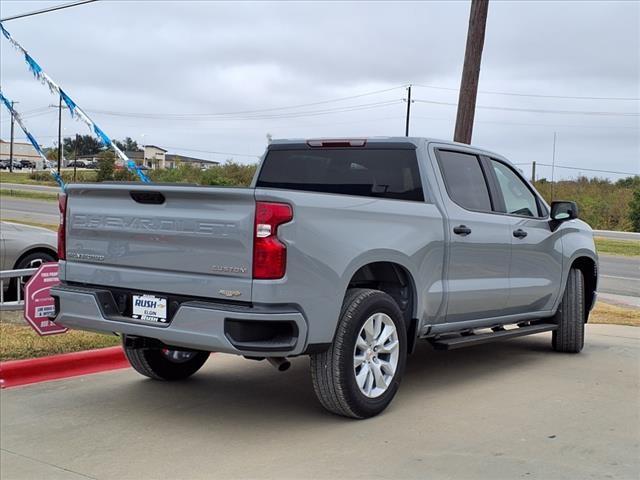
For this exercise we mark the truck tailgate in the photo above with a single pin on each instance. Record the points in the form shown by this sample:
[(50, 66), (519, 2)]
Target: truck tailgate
[(184, 240)]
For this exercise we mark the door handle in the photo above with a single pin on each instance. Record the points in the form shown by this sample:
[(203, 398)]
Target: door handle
[(461, 230), (519, 233)]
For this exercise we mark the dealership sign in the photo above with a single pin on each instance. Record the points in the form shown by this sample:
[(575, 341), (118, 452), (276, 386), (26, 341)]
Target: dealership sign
[(39, 306)]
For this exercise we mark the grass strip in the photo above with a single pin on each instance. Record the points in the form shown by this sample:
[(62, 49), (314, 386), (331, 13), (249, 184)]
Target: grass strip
[(28, 194), (21, 341), (627, 248)]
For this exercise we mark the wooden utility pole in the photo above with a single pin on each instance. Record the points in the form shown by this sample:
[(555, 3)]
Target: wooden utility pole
[(471, 71), (406, 125), (59, 133), (533, 172), (11, 144)]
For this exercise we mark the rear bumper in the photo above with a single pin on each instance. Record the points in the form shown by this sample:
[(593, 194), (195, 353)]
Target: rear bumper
[(197, 325)]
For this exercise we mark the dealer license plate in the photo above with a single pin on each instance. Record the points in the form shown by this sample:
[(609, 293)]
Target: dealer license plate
[(149, 307)]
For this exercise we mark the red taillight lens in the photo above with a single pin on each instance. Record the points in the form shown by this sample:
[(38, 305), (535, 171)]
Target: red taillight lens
[(269, 253), (62, 247)]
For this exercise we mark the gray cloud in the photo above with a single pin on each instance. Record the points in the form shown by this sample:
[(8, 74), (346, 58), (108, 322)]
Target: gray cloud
[(203, 57)]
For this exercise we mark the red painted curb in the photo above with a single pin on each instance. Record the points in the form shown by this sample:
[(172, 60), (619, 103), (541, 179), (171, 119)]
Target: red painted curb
[(33, 370)]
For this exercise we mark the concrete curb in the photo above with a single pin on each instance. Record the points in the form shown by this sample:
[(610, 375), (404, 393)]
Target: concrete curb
[(15, 373)]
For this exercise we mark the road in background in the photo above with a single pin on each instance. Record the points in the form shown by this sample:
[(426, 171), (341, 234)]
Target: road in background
[(29, 210), (617, 235), (619, 275), (507, 410), (37, 188)]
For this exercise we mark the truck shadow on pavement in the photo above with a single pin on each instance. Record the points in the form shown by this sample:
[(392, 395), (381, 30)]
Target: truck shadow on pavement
[(234, 390)]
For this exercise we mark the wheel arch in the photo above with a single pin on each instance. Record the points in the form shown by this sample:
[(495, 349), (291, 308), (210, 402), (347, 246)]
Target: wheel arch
[(589, 269), (397, 281), (37, 249)]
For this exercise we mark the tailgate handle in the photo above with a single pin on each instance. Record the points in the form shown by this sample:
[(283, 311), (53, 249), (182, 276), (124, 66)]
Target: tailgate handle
[(150, 198)]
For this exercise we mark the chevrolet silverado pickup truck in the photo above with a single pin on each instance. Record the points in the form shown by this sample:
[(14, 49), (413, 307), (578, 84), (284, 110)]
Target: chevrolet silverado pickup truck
[(348, 251)]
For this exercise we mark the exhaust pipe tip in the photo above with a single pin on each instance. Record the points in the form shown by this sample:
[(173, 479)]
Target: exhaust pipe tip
[(281, 363)]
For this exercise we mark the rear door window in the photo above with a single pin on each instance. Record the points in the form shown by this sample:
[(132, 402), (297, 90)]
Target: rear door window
[(464, 180), (518, 198), (368, 172)]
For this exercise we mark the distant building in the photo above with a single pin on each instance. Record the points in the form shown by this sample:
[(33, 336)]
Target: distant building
[(21, 151), (155, 158)]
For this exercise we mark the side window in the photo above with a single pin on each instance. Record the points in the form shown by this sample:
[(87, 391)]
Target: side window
[(464, 180), (518, 199)]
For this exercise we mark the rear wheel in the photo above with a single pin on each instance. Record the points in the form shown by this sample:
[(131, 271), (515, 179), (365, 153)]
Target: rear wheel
[(360, 373), (569, 336), (164, 363)]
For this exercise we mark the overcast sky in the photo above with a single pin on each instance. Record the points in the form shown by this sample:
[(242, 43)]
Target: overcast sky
[(122, 61)]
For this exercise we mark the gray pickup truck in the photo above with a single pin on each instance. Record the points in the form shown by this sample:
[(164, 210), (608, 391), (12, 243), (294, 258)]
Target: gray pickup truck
[(349, 251)]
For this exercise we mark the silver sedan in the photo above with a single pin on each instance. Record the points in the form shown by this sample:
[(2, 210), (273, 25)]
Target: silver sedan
[(23, 246)]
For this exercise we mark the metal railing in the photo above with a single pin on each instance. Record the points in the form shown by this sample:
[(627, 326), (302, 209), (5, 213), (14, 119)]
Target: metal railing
[(13, 289)]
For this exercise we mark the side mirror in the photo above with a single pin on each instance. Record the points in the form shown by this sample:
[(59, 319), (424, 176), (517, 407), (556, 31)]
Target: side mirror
[(562, 211)]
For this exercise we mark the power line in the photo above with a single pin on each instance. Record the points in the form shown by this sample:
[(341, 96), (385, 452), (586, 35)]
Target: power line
[(246, 112), (538, 110), (534, 95), (219, 117), (533, 124), (214, 152), (46, 10), (582, 169)]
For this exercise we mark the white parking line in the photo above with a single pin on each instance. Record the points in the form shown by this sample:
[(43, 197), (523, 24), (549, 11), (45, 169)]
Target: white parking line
[(621, 278)]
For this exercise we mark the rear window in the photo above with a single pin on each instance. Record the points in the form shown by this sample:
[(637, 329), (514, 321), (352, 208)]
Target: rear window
[(365, 172)]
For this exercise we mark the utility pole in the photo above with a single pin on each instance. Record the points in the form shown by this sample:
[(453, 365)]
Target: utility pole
[(553, 163), (406, 125), (11, 144), (59, 133), (75, 163), (533, 172), (471, 71)]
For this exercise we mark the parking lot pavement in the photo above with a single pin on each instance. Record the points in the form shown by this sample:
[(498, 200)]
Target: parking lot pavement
[(506, 410)]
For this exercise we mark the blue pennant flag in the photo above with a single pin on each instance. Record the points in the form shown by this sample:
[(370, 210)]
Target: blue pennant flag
[(70, 103), (33, 65)]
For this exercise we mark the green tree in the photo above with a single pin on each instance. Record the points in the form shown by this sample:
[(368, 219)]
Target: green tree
[(106, 166), (127, 145), (634, 210), (84, 145)]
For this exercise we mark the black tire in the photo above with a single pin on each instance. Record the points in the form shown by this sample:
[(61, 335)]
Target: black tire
[(153, 363), (570, 317), (333, 372), (31, 260)]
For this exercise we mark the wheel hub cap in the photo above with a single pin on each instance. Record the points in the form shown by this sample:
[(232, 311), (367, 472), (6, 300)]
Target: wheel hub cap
[(375, 355)]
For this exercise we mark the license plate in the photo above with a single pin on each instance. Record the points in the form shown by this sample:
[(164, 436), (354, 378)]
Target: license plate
[(149, 308)]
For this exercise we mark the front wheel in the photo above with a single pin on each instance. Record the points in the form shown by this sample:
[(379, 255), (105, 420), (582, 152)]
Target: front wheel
[(164, 363), (360, 373), (569, 336)]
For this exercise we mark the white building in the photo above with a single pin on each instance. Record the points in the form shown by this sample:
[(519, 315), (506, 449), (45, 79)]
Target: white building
[(21, 151)]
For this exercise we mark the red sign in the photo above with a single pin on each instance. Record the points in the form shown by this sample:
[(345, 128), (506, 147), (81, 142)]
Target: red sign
[(38, 304)]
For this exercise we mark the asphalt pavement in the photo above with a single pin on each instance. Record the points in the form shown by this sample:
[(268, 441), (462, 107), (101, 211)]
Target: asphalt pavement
[(514, 409), (619, 275), (29, 210)]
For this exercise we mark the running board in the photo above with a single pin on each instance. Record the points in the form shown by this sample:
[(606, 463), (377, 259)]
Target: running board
[(468, 340)]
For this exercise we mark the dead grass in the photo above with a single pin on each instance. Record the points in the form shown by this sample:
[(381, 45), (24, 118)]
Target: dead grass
[(614, 315), (21, 341)]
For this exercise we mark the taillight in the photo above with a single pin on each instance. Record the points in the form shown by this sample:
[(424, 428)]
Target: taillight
[(62, 247), (269, 253)]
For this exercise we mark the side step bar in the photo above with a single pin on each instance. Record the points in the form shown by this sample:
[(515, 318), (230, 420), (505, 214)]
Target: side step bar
[(468, 340)]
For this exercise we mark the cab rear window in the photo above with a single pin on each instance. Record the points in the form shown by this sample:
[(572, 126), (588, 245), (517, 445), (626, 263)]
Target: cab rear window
[(383, 173)]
